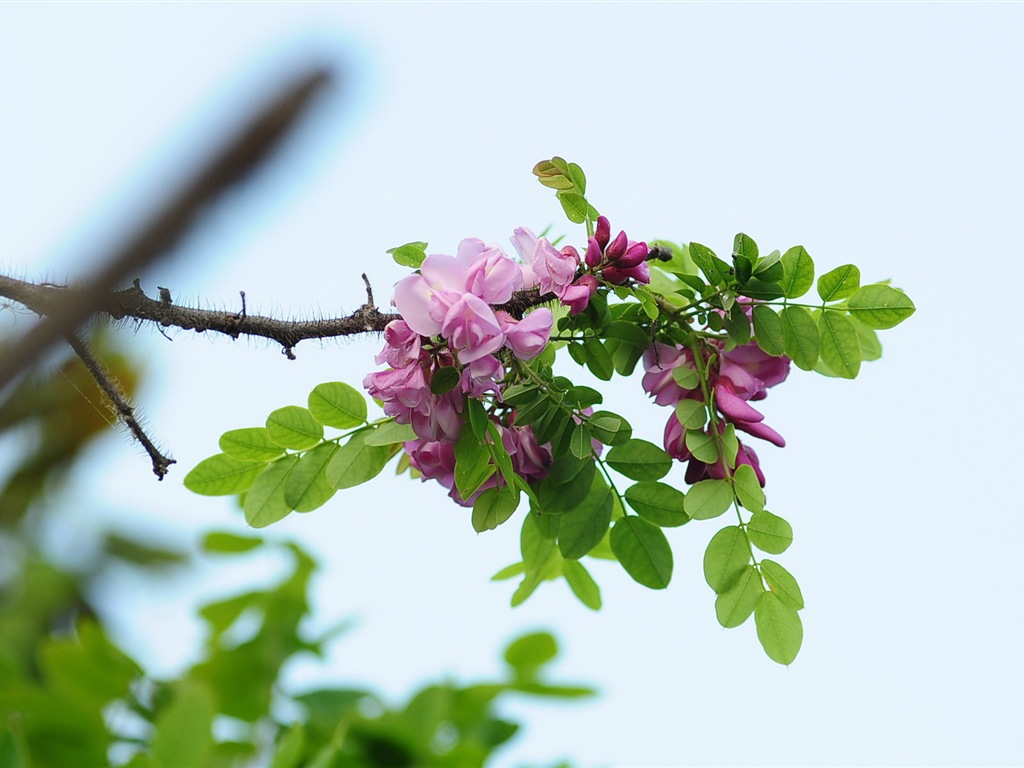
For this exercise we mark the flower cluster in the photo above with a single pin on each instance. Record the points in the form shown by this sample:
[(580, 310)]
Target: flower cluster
[(735, 377)]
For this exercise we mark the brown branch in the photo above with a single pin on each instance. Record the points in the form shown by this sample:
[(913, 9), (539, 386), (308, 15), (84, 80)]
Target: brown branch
[(133, 303), (231, 164), (125, 412)]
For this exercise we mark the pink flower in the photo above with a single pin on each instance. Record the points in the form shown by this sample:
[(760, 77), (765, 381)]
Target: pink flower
[(578, 295), (527, 337), (424, 299), (472, 329), (544, 267), (490, 274)]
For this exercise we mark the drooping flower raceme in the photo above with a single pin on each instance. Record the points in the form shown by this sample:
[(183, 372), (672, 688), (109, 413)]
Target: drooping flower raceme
[(735, 377)]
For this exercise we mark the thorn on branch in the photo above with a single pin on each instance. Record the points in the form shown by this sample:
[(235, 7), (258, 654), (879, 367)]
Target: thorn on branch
[(165, 294), (370, 303)]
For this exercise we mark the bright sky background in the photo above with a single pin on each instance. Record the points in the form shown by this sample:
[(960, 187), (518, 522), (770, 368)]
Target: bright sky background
[(888, 135)]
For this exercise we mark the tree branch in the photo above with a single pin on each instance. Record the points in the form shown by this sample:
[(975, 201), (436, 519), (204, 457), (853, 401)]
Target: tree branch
[(125, 412)]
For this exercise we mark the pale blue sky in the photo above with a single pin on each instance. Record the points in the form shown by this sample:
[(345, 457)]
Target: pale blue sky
[(887, 135)]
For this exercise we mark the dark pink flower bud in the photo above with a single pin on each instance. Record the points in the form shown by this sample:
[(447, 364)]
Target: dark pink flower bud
[(604, 232), (593, 257), (636, 253), (617, 248)]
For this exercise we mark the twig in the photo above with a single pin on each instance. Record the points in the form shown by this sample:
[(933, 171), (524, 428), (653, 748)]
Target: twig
[(125, 412), (236, 160)]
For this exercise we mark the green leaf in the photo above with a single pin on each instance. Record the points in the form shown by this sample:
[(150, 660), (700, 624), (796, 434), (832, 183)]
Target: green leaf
[(389, 433), (708, 499), (658, 503), (444, 380), (639, 460), (294, 427), (734, 606), (609, 428), (840, 346), (714, 269), (725, 558), (737, 324), (767, 263), (744, 255), (493, 507), (574, 205), (768, 332), (557, 498), (770, 533), (289, 750), (870, 347), (701, 445), (692, 414), (643, 551), (410, 254), (336, 404), (798, 276), (265, 502), (250, 444), (779, 628), (307, 487), (499, 455), (582, 584), (579, 179), (527, 654), (183, 734), (801, 337), (222, 475), (510, 572), (356, 462), (598, 359), (748, 489), (880, 306), (582, 528), (478, 420), (839, 283), (229, 543), (782, 584), (472, 464), (579, 443), (685, 376), (627, 333)]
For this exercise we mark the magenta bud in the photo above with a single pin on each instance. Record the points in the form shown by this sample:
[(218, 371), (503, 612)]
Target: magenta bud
[(571, 252), (593, 256), (617, 248), (604, 232), (635, 254)]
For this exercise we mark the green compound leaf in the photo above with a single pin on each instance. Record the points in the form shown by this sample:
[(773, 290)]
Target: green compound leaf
[(559, 497), (734, 606), (582, 528), (582, 584), (336, 404), (290, 748), (307, 487), (798, 272), (768, 332), (574, 205), (527, 654), (222, 542), (579, 179), (744, 256), (389, 433), (839, 283), (685, 376), (692, 414), (250, 444), (609, 428), (702, 446), (444, 380), (643, 551), (639, 460), (294, 427), (783, 584), (779, 628), (183, 734), (880, 306), (356, 462), (493, 507), (714, 269), (840, 345), (801, 337), (598, 359), (265, 502), (770, 533), (748, 489), (708, 499), (725, 558), (579, 443), (410, 254), (658, 503), (222, 475)]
